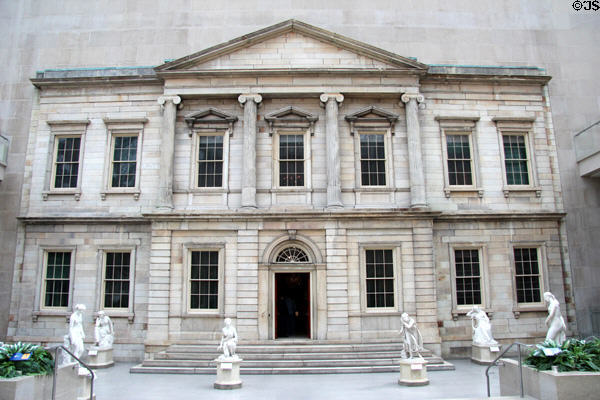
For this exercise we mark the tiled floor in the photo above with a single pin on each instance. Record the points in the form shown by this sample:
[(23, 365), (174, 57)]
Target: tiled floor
[(467, 381)]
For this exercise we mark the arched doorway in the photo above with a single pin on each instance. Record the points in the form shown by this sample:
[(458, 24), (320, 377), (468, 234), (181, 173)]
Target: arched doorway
[(292, 295)]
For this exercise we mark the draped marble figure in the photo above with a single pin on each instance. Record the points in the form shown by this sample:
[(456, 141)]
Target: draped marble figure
[(413, 341), (76, 332), (482, 328), (104, 331)]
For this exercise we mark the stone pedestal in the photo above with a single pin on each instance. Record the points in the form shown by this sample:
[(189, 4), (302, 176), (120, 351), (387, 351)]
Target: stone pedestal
[(100, 358), (413, 372), (484, 354), (85, 384), (228, 373)]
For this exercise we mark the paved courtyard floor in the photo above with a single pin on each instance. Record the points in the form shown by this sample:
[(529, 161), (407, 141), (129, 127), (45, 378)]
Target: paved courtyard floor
[(467, 381)]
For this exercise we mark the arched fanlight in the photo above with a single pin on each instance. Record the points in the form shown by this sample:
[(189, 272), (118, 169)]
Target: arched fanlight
[(292, 255)]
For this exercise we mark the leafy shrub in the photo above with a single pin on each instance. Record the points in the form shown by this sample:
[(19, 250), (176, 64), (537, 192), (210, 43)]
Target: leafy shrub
[(39, 363), (575, 355)]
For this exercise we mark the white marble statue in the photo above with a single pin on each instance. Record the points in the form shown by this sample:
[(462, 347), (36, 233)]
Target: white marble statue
[(482, 329), (413, 341), (557, 330), (104, 331), (228, 341), (76, 333)]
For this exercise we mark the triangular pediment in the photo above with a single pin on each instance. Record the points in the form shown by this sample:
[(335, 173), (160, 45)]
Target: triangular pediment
[(372, 114), (292, 45)]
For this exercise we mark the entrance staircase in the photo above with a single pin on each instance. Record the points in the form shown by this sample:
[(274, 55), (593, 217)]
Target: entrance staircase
[(282, 357)]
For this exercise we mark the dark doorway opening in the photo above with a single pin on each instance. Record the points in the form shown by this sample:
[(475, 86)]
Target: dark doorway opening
[(292, 305)]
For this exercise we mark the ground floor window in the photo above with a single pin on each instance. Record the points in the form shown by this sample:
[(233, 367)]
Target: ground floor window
[(57, 279), (528, 275), (117, 279), (380, 278), (204, 280), (468, 277)]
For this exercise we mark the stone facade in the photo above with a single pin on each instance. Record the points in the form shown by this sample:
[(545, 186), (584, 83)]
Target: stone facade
[(330, 88)]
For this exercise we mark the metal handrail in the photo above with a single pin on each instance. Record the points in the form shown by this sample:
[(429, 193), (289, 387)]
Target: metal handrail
[(79, 361), (494, 363)]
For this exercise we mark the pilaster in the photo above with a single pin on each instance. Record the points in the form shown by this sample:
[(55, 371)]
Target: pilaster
[(334, 188), (247, 284), (250, 103), (167, 150), (418, 196), (158, 286), (337, 284)]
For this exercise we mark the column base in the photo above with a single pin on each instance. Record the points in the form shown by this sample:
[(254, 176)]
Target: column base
[(228, 373), (484, 354), (413, 372)]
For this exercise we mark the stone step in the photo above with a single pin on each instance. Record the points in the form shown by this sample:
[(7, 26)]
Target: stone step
[(278, 363), (171, 355), (294, 347), (140, 369)]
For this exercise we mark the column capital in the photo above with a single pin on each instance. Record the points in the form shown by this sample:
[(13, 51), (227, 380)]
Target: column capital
[(406, 97), (331, 96), (242, 98), (163, 99)]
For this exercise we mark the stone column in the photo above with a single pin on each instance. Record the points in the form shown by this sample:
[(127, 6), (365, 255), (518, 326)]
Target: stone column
[(167, 150), (334, 187), (415, 156), (250, 103)]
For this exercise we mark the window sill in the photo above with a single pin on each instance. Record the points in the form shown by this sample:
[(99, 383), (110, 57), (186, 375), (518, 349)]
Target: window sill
[(533, 308), (50, 313), (448, 190), (76, 193), (203, 190), (203, 315), (119, 314), (375, 189), (456, 312), (133, 191), (291, 189), (376, 313), (522, 189)]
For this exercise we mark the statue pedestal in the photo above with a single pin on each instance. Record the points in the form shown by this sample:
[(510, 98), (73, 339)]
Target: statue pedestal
[(484, 354), (228, 373), (413, 372), (85, 380), (100, 358)]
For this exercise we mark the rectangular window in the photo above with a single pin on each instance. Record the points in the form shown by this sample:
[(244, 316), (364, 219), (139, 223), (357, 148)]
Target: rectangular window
[(124, 161), (372, 159), (380, 278), (210, 161), (204, 280), (291, 160), (528, 276), (57, 279), (459, 160), (515, 160), (117, 279), (468, 277), (66, 166)]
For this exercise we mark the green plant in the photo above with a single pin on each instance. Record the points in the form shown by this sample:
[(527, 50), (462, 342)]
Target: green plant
[(39, 363), (574, 355)]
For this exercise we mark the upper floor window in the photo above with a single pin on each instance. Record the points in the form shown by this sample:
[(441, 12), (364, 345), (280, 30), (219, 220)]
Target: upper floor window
[(459, 151), (210, 161), (124, 161), (210, 130), (518, 154), (124, 156), (516, 160), (66, 162), (291, 160), (372, 159)]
